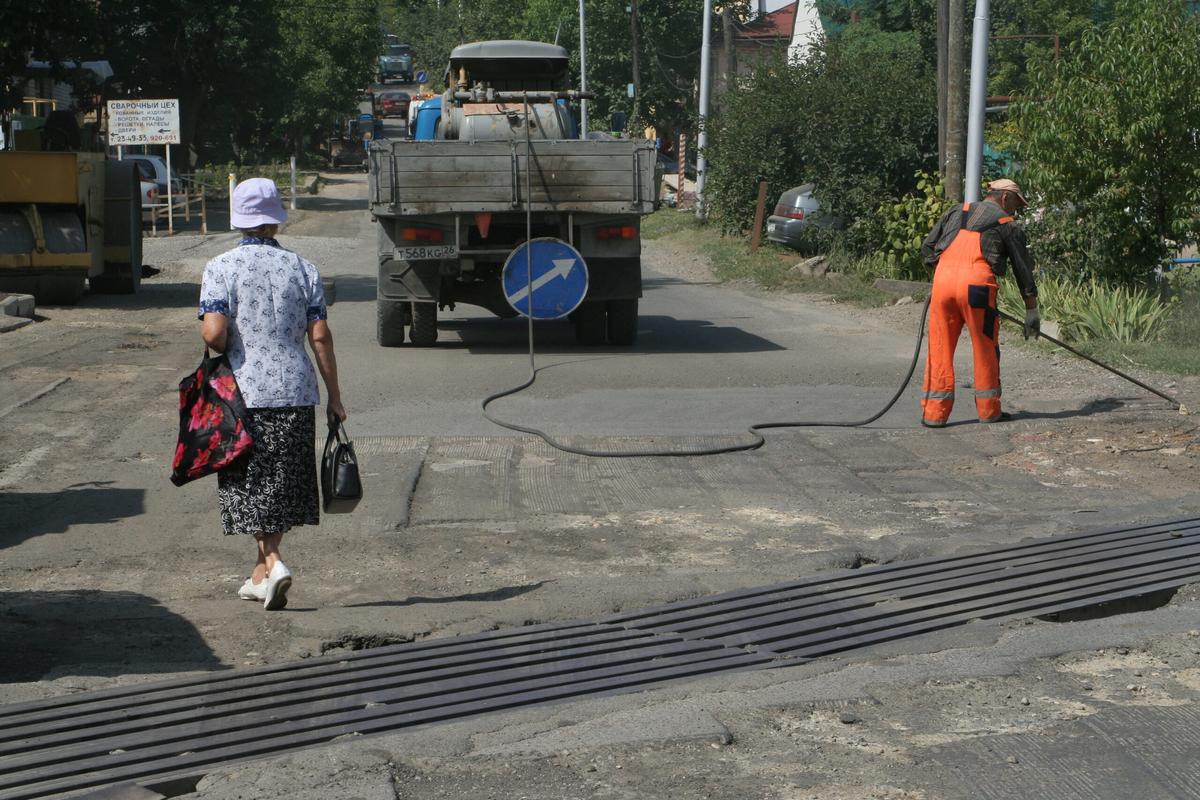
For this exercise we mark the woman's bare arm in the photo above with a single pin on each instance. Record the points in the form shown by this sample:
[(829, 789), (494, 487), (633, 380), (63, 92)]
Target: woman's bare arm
[(214, 329), (320, 339)]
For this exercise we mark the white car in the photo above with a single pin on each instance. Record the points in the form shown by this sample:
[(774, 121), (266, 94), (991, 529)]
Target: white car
[(149, 190), (155, 168)]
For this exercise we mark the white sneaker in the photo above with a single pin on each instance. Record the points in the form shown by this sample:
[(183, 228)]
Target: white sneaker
[(253, 591), (278, 581)]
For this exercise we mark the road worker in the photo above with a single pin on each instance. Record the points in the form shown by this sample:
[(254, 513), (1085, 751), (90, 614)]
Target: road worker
[(970, 248)]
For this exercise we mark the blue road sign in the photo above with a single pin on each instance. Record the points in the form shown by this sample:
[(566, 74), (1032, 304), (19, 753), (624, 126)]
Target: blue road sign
[(421, 76), (559, 279)]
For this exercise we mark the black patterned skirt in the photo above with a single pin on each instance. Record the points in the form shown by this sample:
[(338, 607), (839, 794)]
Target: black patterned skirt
[(276, 489)]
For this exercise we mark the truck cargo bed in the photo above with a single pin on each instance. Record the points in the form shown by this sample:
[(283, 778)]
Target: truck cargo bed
[(605, 176)]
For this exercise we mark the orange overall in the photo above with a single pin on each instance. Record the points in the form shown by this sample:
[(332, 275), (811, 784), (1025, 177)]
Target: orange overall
[(964, 292)]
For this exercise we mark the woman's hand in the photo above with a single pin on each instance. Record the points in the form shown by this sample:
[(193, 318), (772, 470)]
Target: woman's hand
[(335, 408)]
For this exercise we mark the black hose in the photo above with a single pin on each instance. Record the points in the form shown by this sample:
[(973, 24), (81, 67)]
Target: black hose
[(756, 441), (1178, 406)]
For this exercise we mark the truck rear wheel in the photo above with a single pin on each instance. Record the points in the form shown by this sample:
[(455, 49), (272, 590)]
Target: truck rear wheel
[(424, 324), (589, 323), (389, 322), (622, 321)]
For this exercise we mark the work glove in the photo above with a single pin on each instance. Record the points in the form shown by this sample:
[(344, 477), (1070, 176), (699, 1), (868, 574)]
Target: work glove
[(1033, 323)]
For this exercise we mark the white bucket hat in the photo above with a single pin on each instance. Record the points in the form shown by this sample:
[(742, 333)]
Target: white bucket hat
[(256, 202)]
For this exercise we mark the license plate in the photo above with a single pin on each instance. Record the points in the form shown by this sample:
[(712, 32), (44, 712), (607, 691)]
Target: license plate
[(427, 252), (771, 227)]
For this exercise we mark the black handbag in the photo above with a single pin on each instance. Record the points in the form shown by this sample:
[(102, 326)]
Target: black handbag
[(214, 426), (341, 488)]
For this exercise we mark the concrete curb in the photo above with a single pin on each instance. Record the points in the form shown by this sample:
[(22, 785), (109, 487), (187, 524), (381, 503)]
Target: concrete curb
[(17, 305), (13, 323)]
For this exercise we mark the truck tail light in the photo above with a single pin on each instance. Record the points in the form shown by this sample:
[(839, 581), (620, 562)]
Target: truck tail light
[(617, 232), (433, 235)]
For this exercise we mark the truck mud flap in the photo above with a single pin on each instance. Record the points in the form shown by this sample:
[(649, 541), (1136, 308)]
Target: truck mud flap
[(410, 280), (614, 278)]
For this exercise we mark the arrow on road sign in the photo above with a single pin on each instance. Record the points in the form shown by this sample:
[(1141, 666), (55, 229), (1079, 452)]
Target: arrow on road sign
[(544, 278), (562, 268)]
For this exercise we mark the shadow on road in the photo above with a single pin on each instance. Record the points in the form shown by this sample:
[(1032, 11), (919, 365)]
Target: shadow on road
[(492, 596), (27, 515), (1102, 406), (327, 204), (150, 295), (652, 283), (656, 334), (90, 632), (354, 288)]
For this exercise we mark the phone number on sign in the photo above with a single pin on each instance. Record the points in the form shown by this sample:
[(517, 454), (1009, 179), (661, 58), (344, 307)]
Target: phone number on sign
[(142, 138)]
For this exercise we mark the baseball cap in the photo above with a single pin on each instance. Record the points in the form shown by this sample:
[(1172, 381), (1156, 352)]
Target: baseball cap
[(1006, 185), (256, 202)]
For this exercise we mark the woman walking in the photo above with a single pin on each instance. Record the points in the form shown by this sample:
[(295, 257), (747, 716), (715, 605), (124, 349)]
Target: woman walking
[(257, 303)]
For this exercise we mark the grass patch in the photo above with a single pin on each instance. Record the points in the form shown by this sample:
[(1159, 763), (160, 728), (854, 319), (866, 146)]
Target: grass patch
[(1177, 352), (667, 221), (769, 268)]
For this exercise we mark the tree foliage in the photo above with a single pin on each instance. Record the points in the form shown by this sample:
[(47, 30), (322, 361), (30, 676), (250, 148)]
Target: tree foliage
[(251, 77), (1012, 59), (1109, 140), (856, 118), (56, 31)]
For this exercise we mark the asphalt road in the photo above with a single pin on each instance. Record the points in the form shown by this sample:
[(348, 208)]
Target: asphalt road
[(108, 574)]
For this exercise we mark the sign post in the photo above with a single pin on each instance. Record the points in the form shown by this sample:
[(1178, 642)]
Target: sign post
[(147, 122)]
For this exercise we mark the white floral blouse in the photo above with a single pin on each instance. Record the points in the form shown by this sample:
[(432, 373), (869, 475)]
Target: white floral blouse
[(269, 296)]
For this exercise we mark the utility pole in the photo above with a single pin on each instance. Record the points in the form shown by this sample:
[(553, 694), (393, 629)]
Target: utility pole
[(728, 40), (583, 104), (637, 73), (705, 69), (976, 117), (955, 100), (943, 9)]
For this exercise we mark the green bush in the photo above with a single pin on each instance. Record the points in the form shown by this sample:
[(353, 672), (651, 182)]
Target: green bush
[(905, 224), (1110, 132), (1093, 311), (216, 176), (856, 117)]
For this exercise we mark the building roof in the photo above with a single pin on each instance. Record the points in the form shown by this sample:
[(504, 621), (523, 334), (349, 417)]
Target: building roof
[(774, 25)]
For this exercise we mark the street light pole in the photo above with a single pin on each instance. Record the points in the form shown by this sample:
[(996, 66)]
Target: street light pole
[(705, 65), (583, 104), (978, 107)]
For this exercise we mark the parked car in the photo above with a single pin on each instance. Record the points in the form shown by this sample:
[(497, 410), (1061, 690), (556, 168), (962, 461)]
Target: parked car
[(394, 104), (149, 190), (155, 168), (669, 164), (796, 210)]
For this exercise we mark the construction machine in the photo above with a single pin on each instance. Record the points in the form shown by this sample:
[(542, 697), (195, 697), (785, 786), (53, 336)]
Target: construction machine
[(68, 218)]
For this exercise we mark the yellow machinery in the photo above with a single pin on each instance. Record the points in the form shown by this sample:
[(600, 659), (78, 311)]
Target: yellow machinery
[(67, 218)]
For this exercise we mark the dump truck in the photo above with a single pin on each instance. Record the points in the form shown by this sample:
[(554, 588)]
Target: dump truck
[(396, 62), (451, 205), (68, 219)]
